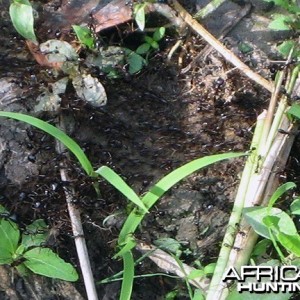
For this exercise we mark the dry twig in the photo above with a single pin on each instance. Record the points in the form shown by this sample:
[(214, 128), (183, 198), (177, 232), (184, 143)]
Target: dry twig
[(77, 229), (228, 55)]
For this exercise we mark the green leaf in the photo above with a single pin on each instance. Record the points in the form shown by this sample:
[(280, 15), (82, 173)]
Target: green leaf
[(148, 39), (143, 49), (56, 133), (139, 15), (280, 22), (261, 247), (196, 274), (294, 110), (271, 222), (5, 256), (128, 276), (280, 191), (290, 242), (35, 234), (154, 45), (9, 236), (44, 261), (295, 207), (285, 49), (255, 216), (20, 250), (159, 34), (210, 268), (22, 18), (37, 226), (136, 62), (114, 179), (165, 184), (84, 36)]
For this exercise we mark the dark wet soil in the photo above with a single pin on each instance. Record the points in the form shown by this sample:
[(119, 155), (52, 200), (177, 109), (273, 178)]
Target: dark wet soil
[(153, 122)]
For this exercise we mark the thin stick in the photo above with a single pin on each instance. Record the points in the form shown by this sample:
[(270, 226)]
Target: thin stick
[(228, 55), (77, 229), (202, 55)]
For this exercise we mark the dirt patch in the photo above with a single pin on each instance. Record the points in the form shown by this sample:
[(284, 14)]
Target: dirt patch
[(153, 122)]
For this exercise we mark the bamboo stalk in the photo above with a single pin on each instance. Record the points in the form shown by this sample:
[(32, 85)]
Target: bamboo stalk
[(216, 286), (261, 185)]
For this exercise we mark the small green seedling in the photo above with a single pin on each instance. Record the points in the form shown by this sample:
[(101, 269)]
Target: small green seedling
[(151, 43), (288, 19), (139, 58), (84, 35), (25, 250)]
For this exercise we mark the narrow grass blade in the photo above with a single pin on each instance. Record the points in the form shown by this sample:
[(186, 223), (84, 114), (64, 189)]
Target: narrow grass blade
[(114, 179), (177, 175), (280, 191), (56, 133), (165, 184), (129, 244), (128, 276)]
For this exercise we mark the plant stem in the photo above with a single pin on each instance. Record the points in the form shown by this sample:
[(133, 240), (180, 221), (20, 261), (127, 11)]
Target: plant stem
[(275, 244), (215, 286), (261, 186), (267, 137)]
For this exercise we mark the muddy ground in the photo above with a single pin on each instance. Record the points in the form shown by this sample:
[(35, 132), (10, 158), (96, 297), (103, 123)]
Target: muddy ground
[(153, 122)]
